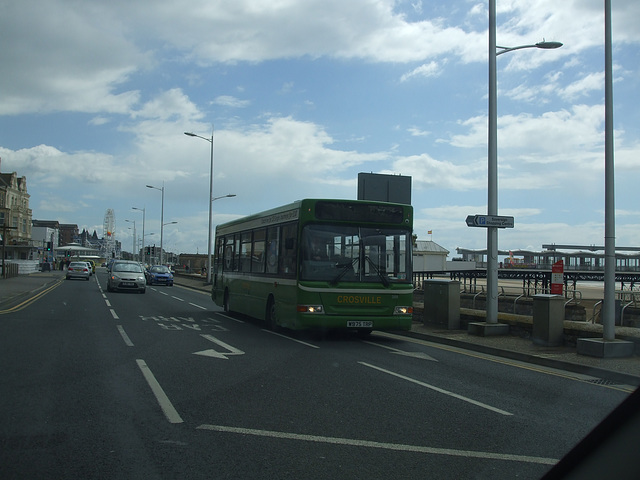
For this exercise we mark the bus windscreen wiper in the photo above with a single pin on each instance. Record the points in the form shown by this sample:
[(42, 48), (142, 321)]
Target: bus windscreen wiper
[(385, 280), (345, 266)]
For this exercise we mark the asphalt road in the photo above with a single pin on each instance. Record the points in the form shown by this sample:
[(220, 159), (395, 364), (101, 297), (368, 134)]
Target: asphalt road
[(165, 385)]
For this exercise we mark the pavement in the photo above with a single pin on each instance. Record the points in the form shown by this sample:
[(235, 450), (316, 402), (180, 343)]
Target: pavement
[(17, 291)]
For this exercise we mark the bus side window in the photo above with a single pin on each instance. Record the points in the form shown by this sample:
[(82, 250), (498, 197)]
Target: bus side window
[(236, 253), (245, 253), (228, 262), (257, 257), (272, 250), (288, 253)]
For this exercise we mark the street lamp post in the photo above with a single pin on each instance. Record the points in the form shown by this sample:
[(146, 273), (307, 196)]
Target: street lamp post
[(211, 199), (161, 218), (143, 210), (210, 140), (608, 305), (492, 187), (608, 346), (133, 246)]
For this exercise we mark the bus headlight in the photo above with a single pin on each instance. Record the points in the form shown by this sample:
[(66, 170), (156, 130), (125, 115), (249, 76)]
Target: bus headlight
[(403, 311), (310, 309)]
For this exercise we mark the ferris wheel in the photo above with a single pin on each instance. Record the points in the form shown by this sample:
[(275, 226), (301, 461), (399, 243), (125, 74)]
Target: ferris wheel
[(109, 233)]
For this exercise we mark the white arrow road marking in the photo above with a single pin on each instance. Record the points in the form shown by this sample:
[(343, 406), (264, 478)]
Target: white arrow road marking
[(213, 353), (421, 355)]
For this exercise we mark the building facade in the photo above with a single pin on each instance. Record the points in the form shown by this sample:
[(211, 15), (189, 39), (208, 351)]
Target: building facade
[(15, 216)]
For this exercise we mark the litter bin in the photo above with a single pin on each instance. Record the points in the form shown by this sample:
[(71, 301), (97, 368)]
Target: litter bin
[(548, 320)]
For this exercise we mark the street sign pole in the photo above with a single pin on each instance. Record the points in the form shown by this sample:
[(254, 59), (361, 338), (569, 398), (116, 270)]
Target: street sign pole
[(492, 223)]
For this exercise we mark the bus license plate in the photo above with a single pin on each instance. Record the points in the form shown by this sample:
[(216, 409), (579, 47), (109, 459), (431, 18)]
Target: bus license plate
[(359, 324)]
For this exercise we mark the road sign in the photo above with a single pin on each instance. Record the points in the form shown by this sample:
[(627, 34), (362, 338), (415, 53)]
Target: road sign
[(489, 221), (557, 277)]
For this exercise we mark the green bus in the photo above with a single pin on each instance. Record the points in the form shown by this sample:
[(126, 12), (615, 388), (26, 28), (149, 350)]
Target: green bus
[(319, 263)]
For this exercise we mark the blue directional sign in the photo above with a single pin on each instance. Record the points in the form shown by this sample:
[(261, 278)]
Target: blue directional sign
[(489, 221)]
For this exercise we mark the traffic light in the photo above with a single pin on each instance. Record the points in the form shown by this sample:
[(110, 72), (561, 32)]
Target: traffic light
[(49, 245)]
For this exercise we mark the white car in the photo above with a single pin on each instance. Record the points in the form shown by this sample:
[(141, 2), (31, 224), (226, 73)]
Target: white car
[(78, 270)]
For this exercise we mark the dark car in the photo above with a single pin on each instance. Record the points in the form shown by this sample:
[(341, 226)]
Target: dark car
[(159, 274)]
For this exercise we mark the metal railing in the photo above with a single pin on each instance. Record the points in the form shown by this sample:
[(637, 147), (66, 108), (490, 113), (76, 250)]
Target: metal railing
[(632, 297)]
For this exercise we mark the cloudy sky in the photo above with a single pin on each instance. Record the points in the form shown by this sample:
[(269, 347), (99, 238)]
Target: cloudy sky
[(304, 95)]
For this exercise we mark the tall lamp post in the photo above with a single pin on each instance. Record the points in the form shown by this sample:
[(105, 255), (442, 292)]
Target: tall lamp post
[(492, 200), (161, 218), (608, 305), (210, 140), (608, 346), (143, 210), (211, 198), (133, 246)]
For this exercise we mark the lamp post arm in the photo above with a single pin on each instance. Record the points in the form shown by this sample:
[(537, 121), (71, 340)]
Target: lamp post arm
[(511, 49), (189, 134), (544, 45)]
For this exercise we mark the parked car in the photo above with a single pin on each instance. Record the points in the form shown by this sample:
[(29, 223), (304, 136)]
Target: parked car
[(160, 274), (78, 270), (126, 275)]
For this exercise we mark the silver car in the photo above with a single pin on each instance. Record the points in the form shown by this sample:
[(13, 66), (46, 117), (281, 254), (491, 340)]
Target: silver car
[(126, 275), (78, 270)]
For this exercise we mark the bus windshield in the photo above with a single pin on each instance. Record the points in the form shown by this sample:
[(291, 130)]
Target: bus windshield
[(345, 253)]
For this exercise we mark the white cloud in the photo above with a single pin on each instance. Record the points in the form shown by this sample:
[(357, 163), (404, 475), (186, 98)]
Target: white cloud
[(428, 172), (555, 136), (230, 101), (583, 87), (417, 132), (284, 146), (170, 104), (432, 69), (65, 58), (50, 167), (77, 57)]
